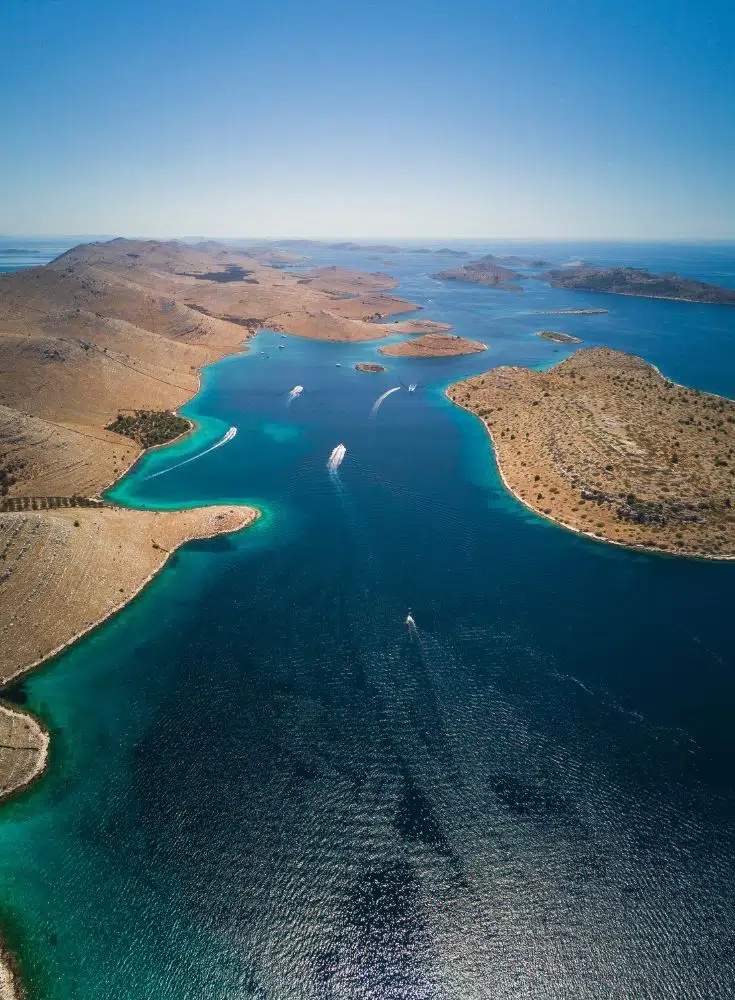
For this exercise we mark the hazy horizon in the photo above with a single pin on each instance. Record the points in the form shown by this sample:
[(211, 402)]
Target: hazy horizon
[(392, 121)]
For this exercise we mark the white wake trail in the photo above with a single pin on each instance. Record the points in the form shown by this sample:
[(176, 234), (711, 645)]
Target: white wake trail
[(218, 444), (378, 402), (296, 391)]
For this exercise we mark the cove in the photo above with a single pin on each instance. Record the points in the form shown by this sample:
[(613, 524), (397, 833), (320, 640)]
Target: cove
[(262, 785)]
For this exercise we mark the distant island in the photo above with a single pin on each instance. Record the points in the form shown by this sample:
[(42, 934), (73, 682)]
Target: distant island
[(369, 366), (513, 261), (433, 345), (418, 326), (485, 271), (570, 312), (638, 282), (557, 337), (604, 444)]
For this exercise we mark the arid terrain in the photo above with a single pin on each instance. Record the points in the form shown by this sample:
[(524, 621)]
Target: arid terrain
[(111, 336), (604, 444), (433, 345)]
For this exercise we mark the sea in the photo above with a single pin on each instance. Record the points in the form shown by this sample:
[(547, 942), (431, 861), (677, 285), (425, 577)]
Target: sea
[(264, 783)]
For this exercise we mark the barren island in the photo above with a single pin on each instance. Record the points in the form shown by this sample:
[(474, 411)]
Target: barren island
[(433, 345), (604, 444)]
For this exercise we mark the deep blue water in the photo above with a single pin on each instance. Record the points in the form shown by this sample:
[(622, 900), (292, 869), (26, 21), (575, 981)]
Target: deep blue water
[(263, 785)]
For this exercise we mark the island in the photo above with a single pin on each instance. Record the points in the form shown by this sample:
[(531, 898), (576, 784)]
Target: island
[(557, 337), (638, 282), (512, 260), (485, 271), (433, 345), (418, 326), (369, 366), (605, 445), (570, 312)]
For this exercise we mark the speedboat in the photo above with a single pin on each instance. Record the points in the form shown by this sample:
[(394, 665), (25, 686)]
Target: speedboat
[(409, 620)]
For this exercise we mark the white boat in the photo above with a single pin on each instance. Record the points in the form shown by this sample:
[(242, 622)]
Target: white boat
[(412, 387), (409, 620), (336, 458)]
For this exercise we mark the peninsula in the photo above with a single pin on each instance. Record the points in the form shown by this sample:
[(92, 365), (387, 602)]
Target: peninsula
[(485, 271), (433, 345), (605, 445), (638, 282)]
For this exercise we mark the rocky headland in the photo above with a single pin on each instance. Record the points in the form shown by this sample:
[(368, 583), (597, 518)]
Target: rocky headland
[(605, 445)]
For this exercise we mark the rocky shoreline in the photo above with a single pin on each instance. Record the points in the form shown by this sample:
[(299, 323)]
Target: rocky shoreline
[(606, 446)]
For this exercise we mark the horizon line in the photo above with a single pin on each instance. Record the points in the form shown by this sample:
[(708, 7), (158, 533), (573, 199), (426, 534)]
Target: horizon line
[(377, 239)]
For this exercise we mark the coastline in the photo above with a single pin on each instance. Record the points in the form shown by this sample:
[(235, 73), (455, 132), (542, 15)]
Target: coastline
[(562, 524), (310, 313), (250, 516), (11, 986)]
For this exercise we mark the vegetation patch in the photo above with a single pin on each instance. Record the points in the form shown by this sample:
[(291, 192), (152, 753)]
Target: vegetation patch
[(150, 427)]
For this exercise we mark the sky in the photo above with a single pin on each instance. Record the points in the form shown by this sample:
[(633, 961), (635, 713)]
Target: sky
[(357, 119)]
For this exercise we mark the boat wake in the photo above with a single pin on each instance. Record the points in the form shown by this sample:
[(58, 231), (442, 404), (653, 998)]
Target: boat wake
[(379, 401), (218, 444), (336, 458), (296, 391)]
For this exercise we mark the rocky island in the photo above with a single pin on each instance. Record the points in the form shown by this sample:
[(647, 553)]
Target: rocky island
[(433, 345), (638, 282), (369, 366), (485, 271), (605, 445), (557, 337)]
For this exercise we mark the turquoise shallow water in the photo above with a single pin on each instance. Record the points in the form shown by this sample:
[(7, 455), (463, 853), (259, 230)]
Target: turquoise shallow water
[(263, 786)]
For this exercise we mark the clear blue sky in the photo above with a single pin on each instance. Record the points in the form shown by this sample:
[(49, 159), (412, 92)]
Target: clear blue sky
[(408, 118)]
